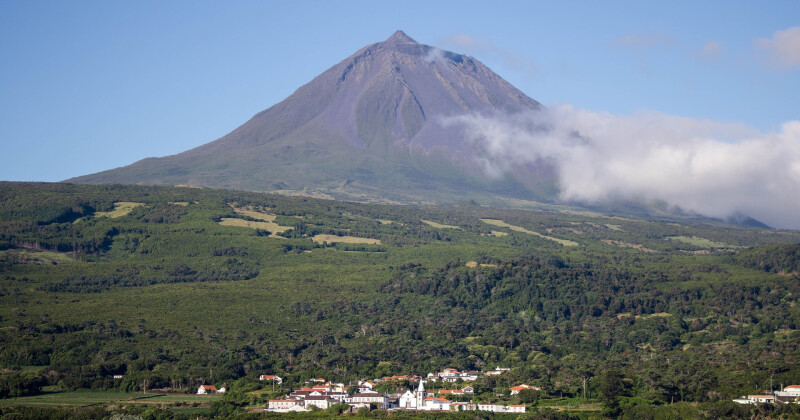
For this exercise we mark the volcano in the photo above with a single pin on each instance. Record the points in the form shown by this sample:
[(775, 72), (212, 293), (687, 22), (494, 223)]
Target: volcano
[(372, 127)]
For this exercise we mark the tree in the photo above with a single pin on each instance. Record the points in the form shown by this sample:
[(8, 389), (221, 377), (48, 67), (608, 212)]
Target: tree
[(528, 396), (612, 386)]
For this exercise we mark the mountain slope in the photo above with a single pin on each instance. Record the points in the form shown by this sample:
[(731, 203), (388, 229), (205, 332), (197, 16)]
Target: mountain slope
[(370, 126)]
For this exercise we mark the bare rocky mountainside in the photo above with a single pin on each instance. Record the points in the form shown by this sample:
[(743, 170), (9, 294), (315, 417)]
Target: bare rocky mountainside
[(369, 128)]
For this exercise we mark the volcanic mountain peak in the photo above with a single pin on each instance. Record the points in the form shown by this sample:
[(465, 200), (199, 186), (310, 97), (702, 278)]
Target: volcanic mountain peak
[(375, 120), (399, 37)]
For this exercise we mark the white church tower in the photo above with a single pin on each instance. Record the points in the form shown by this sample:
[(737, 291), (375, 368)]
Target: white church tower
[(420, 394)]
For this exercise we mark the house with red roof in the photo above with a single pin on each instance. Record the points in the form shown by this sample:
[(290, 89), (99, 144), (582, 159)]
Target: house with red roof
[(516, 389), (789, 391), (275, 378)]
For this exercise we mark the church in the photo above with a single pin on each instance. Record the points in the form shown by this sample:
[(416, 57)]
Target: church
[(413, 400), (419, 400)]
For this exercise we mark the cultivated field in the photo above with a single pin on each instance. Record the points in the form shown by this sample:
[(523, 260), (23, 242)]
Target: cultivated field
[(345, 239), (628, 245), (26, 256), (121, 208), (439, 225), (84, 398), (473, 264), (500, 223), (700, 242)]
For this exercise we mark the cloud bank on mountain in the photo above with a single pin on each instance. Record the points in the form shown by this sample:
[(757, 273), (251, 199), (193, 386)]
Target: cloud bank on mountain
[(712, 168)]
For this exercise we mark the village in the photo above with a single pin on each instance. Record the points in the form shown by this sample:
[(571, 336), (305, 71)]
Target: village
[(430, 393), (433, 392)]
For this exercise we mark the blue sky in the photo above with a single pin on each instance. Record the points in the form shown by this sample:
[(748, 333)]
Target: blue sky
[(92, 85)]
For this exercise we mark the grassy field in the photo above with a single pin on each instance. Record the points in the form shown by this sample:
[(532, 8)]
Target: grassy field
[(439, 225), (344, 239), (121, 208), (473, 264), (273, 228), (84, 398), (700, 242), (623, 244), (26, 256), (500, 223), (267, 217)]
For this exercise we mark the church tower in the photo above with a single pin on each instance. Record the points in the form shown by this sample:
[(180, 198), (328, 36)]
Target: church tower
[(420, 394)]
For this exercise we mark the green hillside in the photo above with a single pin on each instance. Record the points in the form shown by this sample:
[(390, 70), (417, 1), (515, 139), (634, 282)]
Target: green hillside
[(183, 286)]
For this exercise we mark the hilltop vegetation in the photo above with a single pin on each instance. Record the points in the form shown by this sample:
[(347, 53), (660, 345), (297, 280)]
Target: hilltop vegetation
[(147, 283)]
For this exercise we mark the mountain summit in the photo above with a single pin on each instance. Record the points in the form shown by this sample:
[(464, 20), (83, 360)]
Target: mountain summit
[(399, 37), (370, 127)]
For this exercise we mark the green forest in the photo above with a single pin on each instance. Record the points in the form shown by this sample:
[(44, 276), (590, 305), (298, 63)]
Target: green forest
[(126, 288)]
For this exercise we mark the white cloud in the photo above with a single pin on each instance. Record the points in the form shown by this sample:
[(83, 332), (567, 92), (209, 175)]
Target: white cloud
[(783, 50), (716, 169), (435, 55)]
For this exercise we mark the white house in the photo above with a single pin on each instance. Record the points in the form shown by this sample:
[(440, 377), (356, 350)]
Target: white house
[(436, 404), (321, 401), (370, 398), (285, 406), (515, 408), (449, 375), (462, 406), (471, 375), (336, 395), (305, 392), (752, 399), (364, 386), (206, 389), (497, 371), (495, 408), (275, 378), (789, 391), (499, 408)]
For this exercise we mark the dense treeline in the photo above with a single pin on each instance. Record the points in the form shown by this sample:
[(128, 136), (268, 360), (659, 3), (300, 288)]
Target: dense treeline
[(773, 259), (166, 296)]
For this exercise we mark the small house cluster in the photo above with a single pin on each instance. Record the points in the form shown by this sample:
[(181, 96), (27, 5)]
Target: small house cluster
[(788, 394), (323, 395)]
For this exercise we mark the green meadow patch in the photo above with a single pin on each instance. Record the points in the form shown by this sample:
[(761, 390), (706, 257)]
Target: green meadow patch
[(344, 239), (121, 208), (700, 242), (439, 225), (83, 398), (500, 223), (27, 256)]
